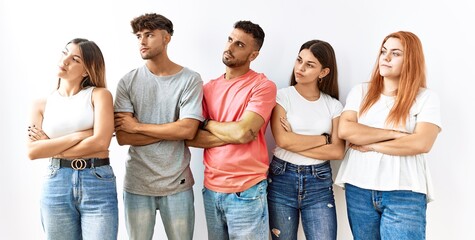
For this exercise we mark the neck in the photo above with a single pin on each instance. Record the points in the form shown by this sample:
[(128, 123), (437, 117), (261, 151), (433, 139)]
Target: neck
[(66, 89), (236, 72), (390, 86), (308, 91), (162, 66)]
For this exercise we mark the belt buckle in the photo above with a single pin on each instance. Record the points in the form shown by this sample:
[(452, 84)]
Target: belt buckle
[(78, 164)]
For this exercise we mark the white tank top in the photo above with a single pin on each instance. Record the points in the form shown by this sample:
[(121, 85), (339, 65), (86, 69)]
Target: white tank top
[(65, 115)]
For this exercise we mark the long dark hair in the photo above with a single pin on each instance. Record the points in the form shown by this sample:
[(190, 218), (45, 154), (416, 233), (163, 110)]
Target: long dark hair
[(325, 54)]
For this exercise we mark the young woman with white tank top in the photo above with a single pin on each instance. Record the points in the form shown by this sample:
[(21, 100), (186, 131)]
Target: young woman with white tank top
[(73, 127)]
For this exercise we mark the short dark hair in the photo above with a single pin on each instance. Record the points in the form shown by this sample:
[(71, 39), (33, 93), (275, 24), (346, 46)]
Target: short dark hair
[(254, 29), (151, 21)]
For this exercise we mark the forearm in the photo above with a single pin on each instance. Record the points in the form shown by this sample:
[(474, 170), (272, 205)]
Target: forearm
[(297, 142), (362, 135), (205, 139), (179, 130), (50, 147), (334, 151), (134, 139), (405, 146), (231, 132), (87, 147)]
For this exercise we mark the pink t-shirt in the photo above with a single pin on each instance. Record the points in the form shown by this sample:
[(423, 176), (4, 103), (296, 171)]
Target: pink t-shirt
[(237, 167)]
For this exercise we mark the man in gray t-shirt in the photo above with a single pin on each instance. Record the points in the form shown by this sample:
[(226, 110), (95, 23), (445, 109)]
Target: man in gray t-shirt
[(157, 107)]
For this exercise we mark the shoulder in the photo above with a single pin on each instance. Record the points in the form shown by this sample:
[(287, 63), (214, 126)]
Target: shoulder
[(99, 92)]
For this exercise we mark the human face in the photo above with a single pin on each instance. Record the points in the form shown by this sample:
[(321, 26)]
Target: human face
[(391, 58), (240, 49), (71, 65), (307, 68), (152, 43)]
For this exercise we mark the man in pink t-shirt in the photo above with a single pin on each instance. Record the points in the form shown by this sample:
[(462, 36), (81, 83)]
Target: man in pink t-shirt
[(237, 107)]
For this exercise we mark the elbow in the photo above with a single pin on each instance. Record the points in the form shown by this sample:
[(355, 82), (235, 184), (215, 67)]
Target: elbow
[(424, 148), (190, 134)]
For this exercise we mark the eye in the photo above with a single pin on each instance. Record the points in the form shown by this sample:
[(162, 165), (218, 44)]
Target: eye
[(76, 60), (310, 65), (64, 52), (396, 54), (383, 51), (298, 60), (240, 45)]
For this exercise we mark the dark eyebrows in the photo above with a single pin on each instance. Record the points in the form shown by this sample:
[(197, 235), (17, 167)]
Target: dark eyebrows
[(300, 58)]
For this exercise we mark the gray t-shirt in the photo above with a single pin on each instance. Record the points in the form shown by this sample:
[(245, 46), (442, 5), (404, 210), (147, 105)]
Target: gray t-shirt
[(162, 168)]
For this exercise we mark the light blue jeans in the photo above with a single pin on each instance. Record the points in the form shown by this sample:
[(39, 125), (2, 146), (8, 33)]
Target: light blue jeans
[(242, 215), (386, 215), (177, 212), (301, 191), (79, 204)]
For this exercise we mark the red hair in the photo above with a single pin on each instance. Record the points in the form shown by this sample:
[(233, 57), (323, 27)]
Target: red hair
[(413, 77)]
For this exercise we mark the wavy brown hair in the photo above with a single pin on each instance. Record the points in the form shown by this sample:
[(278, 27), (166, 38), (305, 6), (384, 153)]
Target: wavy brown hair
[(412, 79), (93, 61)]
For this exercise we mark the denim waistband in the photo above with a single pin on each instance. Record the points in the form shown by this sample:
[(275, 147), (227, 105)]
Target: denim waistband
[(299, 168)]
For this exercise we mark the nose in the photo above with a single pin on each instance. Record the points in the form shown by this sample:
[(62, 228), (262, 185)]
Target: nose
[(301, 67)]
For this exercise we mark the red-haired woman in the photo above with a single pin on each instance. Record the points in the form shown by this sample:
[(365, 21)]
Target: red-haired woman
[(390, 123)]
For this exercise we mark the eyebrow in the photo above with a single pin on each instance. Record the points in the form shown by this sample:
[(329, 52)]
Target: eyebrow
[(394, 49), (299, 57), (237, 41), (67, 50)]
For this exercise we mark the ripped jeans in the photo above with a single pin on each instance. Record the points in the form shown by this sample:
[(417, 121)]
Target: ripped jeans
[(301, 190)]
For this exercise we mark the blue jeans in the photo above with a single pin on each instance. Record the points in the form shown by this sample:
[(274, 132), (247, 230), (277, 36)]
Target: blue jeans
[(301, 190), (177, 212), (240, 215), (374, 215), (79, 204)]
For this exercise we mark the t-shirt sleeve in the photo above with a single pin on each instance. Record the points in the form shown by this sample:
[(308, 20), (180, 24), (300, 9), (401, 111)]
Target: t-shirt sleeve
[(262, 100), (354, 98), (430, 109), (337, 108), (283, 98), (191, 100), (122, 101)]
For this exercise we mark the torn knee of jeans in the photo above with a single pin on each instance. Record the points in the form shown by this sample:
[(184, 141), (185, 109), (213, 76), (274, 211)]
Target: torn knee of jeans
[(276, 232), (330, 205)]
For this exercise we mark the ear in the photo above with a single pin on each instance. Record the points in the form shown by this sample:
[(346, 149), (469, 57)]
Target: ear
[(253, 55), (324, 73), (167, 37), (84, 74)]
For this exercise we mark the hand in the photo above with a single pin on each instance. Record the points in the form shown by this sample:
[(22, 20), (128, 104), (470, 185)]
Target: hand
[(125, 122), (285, 124), (35, 134), (361, 148)]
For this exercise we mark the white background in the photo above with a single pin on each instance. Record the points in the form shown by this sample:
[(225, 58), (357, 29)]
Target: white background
[(32, 34)]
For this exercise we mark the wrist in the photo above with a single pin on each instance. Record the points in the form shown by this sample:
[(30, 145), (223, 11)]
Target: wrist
[(328, 139), (203, 124)]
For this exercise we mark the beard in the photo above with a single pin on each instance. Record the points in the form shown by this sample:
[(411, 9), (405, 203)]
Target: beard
[(233, 62), (152, 53)]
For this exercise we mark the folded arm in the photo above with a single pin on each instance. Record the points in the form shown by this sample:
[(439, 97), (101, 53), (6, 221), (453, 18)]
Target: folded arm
[(103, 129), (419, 142), (131, 132), (359, 134)]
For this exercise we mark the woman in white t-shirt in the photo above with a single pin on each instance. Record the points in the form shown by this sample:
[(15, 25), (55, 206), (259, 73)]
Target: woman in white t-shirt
[(390, 123), (305, 124)]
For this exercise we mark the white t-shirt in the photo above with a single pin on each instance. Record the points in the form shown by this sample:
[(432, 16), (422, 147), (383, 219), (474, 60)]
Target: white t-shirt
[(306, 118), (378, 171)]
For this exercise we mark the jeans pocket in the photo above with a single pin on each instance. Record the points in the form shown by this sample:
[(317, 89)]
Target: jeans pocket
[(276, 167), (323, 172), (104, 173), (51, 172), (256, 192)]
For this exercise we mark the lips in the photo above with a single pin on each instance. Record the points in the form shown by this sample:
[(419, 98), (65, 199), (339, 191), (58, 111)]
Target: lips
[(227, 54)]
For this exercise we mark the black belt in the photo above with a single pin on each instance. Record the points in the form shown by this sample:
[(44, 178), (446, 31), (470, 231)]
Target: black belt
[(82, 163)]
